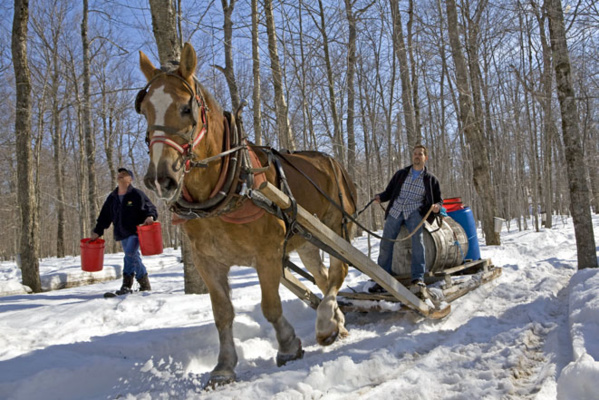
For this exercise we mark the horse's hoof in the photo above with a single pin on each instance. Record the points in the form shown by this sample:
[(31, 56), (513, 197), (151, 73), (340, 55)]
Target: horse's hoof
[(282, 359), (219, 378), (329, 339)]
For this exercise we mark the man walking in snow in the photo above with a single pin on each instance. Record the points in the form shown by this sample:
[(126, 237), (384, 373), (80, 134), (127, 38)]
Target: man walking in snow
[(126, 207)]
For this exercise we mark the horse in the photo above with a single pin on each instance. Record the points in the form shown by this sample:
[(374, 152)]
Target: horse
[(191, 156)]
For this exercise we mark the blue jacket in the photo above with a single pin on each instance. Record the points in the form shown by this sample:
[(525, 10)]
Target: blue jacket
[(431, 187), (125, 215)]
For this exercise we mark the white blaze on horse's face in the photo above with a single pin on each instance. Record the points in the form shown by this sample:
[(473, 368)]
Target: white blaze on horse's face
[(160, 101)]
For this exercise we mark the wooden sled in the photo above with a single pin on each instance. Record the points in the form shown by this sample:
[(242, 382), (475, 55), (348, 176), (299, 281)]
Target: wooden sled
[(427, 303)]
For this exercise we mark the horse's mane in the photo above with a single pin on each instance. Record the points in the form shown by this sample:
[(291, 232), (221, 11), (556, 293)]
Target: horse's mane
[(211, 101)]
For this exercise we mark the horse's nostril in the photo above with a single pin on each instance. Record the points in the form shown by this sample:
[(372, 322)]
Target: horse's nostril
[(167, 185)]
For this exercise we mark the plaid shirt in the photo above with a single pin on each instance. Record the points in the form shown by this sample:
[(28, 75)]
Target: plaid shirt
[(410, 198)]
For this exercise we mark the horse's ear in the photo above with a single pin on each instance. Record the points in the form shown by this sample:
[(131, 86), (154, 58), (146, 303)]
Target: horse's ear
[(189, 61), (148, 69)]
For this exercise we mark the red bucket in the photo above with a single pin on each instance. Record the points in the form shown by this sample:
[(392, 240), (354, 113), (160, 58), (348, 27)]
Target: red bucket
[(453, 204), (150, 239), (92, 255)]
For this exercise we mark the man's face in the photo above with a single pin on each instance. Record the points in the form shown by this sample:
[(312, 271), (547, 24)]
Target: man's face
[(418, 157), (123, 176)]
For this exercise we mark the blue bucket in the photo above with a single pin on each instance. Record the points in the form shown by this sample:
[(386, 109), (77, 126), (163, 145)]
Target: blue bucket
[(465, 218)]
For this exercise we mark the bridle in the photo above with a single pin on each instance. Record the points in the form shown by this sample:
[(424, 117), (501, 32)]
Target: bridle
[(198, 108)]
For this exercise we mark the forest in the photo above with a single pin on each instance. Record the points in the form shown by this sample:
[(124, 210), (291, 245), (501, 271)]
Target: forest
[(502, 93)]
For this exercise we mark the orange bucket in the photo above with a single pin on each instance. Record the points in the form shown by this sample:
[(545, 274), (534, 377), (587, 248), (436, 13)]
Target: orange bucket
[(92, 255), (150, 239)]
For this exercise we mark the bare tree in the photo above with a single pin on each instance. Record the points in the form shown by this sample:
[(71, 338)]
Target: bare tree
[(256, 98), (338, 146), (404, 72), (229, 69), (472, 129), (286, 138), (580, 205), (164, 20), (28, 246), (90, 141), (164, 25), (548, 121)]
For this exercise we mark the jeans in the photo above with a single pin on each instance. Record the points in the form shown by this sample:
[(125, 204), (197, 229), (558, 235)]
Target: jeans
[(391, 230), (133, 264)]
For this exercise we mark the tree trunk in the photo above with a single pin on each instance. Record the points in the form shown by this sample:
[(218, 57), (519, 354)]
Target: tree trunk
[(474, 136), (577, 172), (90, 142), (29, 241), (58, 161), (164, 22), (351, 89), (404, 71), (286, 139), (550, 129), (338, 145), (164, 26), (229, 70), (256, 98)]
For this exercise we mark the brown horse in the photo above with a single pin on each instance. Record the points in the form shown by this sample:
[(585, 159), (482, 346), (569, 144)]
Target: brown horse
[(186, 124)]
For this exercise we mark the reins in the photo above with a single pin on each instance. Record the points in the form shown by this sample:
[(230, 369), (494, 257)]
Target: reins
[(218, 204), (351, 217)]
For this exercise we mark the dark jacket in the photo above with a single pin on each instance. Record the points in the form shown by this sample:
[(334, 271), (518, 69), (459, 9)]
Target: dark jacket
[(125, 215), (431, 187)]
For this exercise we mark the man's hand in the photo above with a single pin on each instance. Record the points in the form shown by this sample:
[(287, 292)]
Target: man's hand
[(436, 208), (377, 199), (93, 236), (149, 220)]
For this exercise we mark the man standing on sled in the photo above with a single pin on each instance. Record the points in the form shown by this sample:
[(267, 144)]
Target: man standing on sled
[(411, 193)]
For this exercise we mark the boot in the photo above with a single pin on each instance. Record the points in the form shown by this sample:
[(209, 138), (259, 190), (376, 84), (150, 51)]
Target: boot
[(144, 284), (126, 287)]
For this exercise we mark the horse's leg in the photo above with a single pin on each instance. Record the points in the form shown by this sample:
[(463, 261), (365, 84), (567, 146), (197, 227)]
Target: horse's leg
[(330, 321), (269, 273), (216, 277)]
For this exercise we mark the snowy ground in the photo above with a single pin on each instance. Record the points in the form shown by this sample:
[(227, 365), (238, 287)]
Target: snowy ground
[(531, 334)]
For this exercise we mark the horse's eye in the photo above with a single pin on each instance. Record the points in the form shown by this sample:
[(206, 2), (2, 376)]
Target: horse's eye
[(186, 110)]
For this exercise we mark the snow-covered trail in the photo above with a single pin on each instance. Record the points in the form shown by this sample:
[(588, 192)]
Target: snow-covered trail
[(508, 339)]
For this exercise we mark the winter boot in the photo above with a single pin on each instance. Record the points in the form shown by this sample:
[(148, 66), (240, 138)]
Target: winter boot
[(144, 284), (127, 283)]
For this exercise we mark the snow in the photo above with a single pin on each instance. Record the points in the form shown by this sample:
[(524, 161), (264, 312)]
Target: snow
[(533, 333)]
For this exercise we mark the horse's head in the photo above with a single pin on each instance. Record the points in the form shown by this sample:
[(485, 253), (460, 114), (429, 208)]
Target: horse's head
[(175, 111)]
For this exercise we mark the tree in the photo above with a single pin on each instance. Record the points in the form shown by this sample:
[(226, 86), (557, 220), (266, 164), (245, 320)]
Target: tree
[(404, 72), (256, 99), (164, 21), (286, 139), (471, 124), (580, 205), (28, 246), (90, 141), (164, 26), (229, 70)]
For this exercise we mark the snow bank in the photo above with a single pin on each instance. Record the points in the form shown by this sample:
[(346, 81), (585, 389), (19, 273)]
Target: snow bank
[(578, 379)]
